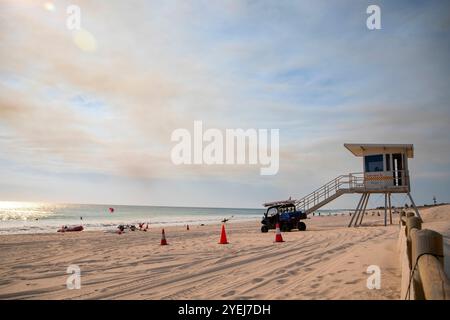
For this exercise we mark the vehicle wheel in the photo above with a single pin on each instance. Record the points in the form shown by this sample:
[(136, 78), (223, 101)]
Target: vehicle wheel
[(264, 229), (301, 226)]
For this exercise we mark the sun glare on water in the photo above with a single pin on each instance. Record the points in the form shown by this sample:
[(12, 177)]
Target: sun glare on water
[(17, 210), (18, 204)]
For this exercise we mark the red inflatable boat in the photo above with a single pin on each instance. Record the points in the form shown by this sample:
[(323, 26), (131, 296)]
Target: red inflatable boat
[(70, 229)]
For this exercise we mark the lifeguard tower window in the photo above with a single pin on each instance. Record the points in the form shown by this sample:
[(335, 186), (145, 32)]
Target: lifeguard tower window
[(374, 163)]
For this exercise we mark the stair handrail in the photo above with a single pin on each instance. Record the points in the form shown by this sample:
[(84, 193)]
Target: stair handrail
[(329, 183), (329, 189)]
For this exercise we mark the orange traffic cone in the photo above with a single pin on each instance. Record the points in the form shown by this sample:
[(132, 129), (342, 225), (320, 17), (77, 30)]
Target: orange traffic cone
[(223, 236), (187, 227), (278, 237), (163, 238)]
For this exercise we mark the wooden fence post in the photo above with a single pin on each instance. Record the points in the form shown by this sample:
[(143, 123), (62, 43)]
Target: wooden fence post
[(412, 222), (402, 220), (430, 281)]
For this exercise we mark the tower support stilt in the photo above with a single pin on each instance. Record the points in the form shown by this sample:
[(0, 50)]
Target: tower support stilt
[(356, 210), (364, 209)]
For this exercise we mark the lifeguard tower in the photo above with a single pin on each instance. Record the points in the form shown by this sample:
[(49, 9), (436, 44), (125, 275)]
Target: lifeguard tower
[(385, 171)]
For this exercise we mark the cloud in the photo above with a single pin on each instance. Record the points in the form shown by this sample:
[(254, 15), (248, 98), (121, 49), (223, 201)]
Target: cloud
[(311, 70)]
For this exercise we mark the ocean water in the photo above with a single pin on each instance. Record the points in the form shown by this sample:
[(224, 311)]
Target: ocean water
[(28, 217)]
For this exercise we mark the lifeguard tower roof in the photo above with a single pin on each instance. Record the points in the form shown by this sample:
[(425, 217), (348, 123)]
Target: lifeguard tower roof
[(361, 149)]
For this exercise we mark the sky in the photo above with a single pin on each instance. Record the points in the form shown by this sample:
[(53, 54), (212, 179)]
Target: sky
[(86, 116)]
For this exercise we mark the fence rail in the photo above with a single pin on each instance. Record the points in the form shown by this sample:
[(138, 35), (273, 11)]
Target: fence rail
[(422, 261)]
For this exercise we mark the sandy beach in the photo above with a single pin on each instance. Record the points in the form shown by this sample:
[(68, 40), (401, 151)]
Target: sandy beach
[(124, 114), (328, 261)]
